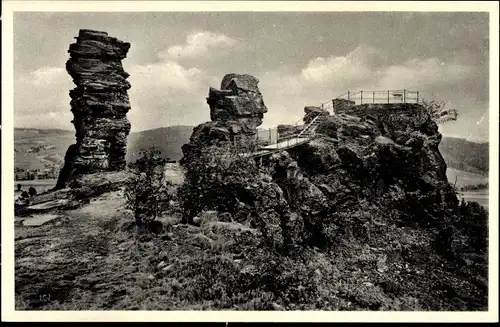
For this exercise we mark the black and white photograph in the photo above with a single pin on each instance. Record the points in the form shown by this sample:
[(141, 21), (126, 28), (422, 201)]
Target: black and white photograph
[(230, 159)]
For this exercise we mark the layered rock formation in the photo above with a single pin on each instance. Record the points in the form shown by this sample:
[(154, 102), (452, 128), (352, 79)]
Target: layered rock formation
[(236, 110), (380, 151), (312, 112), (371, 191), (99, 104), (386, 155)]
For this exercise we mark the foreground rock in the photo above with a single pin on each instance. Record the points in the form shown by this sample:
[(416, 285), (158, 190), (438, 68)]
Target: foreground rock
[(381, 149), (80, 191), (99, 104), (40, 220)]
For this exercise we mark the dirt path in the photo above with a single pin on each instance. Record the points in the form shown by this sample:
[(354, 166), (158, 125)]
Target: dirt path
[(88, 260), (72, 256)]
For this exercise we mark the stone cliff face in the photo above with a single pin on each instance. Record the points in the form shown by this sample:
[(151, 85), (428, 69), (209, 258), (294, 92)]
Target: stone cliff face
[(384, 156), (99, 104), (371, 187), (378, 151), (236, 110)]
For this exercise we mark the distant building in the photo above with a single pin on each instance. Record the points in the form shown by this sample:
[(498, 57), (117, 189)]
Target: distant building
[(33, 174)]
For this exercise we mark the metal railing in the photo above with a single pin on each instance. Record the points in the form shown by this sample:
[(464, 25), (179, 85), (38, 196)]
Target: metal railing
[(327, 105), (288, 131), (354, 98), (385, 96), (267, 136)]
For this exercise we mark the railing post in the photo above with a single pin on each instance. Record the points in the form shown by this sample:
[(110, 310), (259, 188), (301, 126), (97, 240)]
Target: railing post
[(404, 95), (388, 97), (417, 96), (333, 106), (373, 96), (270, 136), (361, 96), (349, 98)]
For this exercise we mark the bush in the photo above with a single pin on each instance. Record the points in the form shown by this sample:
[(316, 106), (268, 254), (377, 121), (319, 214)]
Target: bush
[(218, 179), (474, 187), (146, 191), (435, 109), (473, 222)]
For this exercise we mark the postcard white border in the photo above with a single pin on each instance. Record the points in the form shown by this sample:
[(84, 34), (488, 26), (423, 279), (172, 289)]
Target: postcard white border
[(7, 128)]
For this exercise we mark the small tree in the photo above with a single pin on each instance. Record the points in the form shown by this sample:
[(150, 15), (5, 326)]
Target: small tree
[(146, 191), (436, 109)]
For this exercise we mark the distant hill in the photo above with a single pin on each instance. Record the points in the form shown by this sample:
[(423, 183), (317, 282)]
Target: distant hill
[(168, 139), (464, 155), (36, 148), (40, 148)]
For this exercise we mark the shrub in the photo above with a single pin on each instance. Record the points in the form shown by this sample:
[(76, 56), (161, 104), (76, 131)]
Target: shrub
[(435, 109), (146, 191), (474, 187), (218, 179), (473, 222)]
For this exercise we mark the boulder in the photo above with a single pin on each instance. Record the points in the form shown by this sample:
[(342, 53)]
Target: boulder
[(312, 112)]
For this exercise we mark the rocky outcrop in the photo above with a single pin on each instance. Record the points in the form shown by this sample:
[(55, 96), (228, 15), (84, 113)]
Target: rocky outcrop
[(342, 105), (386, 156), (312, 112), (99, 104), (236, 110), (376, 152)]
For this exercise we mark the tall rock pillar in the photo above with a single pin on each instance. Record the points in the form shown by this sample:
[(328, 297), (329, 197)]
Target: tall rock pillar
[(236, 111), (99, 104)]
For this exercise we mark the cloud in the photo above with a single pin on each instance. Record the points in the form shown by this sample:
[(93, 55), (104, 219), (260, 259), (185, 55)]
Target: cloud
[(46, 75), (428, 73), (42, 91), (167, 93), (198, 45), (367, 68), (164, 75), (358, 65), (172, 90), (55, 120)]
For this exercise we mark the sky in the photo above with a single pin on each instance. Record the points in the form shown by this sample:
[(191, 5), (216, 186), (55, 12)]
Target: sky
[(300, 59)]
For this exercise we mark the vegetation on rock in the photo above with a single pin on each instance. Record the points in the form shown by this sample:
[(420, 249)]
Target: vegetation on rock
[(379, 199), (147, 191)]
